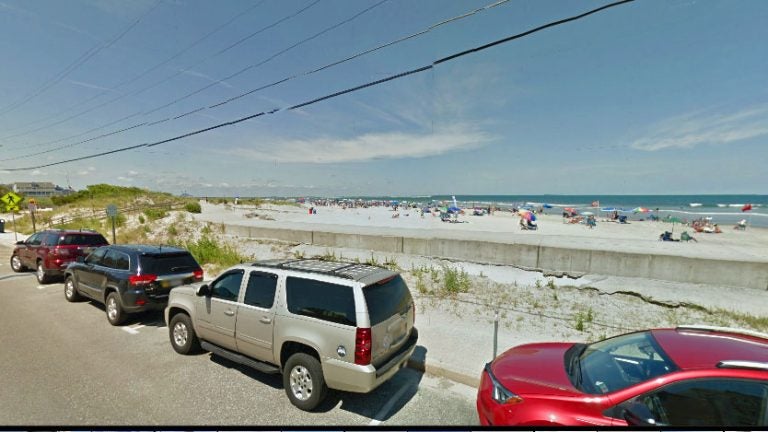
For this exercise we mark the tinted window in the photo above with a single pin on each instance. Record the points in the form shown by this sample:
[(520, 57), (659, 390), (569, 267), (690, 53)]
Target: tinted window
[(387, 298), (168, 263), (261, 290), (96, 256), (710, 402), (116, 260), (82, 239), (34, 240), (50, 239), (323, 300), (227, 286)]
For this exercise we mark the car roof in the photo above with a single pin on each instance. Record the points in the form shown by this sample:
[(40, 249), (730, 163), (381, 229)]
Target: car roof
[(71, 231), (696, 348), (363, 273), (147, 249)]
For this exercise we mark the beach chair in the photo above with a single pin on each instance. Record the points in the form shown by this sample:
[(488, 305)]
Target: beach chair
[(687, 237)]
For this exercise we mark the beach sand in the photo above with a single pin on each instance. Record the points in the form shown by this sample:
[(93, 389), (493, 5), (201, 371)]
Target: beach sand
[(503, 226)]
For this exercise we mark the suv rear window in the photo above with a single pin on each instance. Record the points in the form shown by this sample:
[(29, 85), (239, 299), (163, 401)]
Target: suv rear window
[(82, 239), (321, 300), (387, 298), (168, 263)]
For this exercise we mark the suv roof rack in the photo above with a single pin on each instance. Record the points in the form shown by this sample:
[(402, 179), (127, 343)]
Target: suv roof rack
[(742, 364), (354, 271), (733, 330)]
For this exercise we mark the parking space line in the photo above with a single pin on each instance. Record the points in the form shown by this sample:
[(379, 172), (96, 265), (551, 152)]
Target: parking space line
[(388, 406), (130, 330)]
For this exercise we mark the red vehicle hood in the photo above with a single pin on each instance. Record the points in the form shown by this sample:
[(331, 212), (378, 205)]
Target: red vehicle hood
[(535, 368)]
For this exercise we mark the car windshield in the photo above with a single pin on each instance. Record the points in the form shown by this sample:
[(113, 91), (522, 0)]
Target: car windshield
[(617, 363)]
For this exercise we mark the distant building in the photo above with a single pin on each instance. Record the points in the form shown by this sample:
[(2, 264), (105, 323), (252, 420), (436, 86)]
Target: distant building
[(39, 189)]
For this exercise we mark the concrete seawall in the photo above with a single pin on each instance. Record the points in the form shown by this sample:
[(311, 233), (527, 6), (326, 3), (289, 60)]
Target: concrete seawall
[(749, 274)]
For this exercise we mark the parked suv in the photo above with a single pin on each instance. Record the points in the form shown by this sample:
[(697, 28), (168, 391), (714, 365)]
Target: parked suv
[(321, 324), (50, 251), (130, 278)]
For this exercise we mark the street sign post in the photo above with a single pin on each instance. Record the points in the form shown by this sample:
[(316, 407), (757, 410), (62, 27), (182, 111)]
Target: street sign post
[(112, 214), (12, 201)]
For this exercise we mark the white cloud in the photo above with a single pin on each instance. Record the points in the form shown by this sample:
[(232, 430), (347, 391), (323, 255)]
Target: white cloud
[(691, 130), (366, 147)]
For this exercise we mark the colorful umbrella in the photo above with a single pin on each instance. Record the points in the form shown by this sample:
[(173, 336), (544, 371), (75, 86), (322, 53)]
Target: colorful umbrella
[(570, 210), (640, 210), (526, 215)]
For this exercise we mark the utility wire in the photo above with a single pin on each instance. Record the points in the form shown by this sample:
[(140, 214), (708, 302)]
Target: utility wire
[(307, 73), (339, 93), (144, 73), (123, 96), (76, 64)]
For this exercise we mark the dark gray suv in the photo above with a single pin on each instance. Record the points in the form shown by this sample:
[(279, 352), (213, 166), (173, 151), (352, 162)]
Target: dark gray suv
[(130, 278)]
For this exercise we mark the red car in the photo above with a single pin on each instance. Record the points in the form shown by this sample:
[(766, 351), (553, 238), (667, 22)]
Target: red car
[(50, 251), (684, 376)]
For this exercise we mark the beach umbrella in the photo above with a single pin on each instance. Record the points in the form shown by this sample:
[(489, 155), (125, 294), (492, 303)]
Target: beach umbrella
[(547, 206), (609, 209), (570, 210), (526, 215), (587, 213), (674, 220), (640, 210)]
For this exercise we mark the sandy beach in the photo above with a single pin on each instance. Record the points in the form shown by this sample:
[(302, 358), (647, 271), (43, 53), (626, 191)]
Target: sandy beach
[(503, 226)]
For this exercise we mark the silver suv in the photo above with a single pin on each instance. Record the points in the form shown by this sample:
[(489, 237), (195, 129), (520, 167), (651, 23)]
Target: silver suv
[(321, 324)]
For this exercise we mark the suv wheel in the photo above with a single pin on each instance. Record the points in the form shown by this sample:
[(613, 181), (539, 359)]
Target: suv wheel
[(115, 314), (304, 382), (41, 276), (16, 264), (182, 334), (70, 290)]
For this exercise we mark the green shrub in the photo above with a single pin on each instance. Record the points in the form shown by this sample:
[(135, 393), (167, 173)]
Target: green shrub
[(456, 281), (154, 214), (141, 219), (209, 251), (193, 207), (172, 231)]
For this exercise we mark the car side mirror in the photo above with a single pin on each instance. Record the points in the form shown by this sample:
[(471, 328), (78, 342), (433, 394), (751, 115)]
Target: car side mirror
[(20, 242), (638, 414), (203, 290), (80, 259)]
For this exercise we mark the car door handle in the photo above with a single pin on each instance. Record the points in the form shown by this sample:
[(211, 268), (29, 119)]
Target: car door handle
[(266, 320), (229, 312)]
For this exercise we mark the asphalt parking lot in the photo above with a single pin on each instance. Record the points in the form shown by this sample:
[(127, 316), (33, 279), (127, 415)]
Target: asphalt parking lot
[(63, 364)]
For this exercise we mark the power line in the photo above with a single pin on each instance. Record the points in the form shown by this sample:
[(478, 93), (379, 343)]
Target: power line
[(145, 72), (76, 64), (339, 93), (292, 15), (231, 99)]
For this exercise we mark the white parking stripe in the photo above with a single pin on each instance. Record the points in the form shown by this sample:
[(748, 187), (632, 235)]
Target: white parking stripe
[(42, 286), (130, 330), (388, 406)]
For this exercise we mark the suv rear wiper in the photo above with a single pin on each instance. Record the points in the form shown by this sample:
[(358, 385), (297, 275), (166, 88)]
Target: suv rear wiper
[(177, 268)]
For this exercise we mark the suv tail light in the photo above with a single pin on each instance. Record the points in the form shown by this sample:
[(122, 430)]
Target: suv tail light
[(145, 279), (363, 346), (198, 274), (57, 251)]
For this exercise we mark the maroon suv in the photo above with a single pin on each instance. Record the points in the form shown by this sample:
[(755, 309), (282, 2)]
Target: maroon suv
[(50, 251)]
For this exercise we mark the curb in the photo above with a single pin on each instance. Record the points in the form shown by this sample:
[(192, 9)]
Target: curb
[(459, 377)]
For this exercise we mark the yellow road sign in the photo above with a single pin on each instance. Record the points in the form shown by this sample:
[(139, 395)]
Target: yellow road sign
[(10, 199), (12, 208)]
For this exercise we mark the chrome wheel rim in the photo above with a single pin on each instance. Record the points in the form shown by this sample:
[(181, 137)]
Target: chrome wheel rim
[(301, 383), (40, 272), (16, 262), (112, 309), (69, 288), (180, 334)]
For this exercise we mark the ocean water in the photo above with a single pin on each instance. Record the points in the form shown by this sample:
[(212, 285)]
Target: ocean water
[(723, 209)]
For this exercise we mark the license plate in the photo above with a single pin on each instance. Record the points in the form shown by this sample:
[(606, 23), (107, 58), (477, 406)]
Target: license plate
[(170, 283)]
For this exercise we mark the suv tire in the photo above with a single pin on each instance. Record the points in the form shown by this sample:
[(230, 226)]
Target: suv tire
[(70, 290), (42, 277), (304, 382), (182, 334), (115, 314), (16, 264)]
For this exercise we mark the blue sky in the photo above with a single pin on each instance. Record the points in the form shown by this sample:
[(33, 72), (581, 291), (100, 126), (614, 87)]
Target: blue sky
[(651, 97)]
